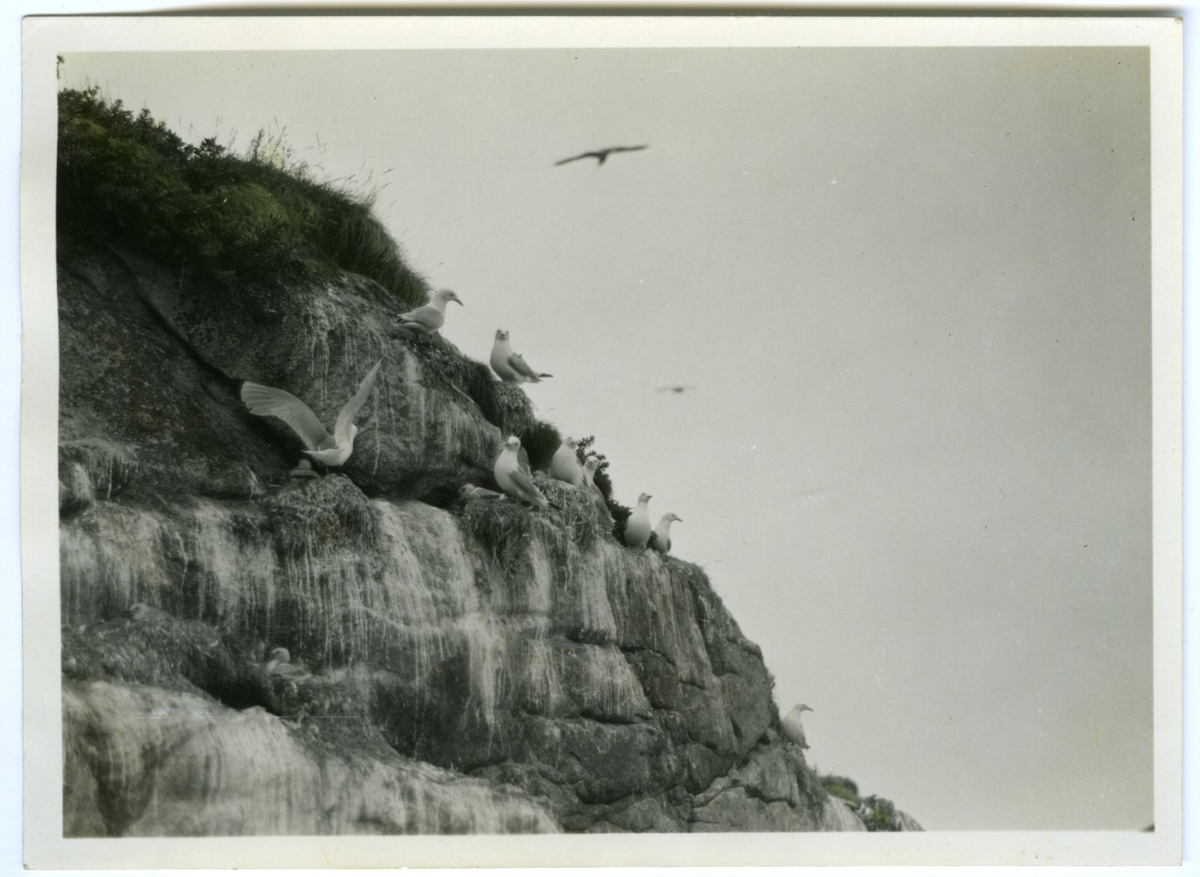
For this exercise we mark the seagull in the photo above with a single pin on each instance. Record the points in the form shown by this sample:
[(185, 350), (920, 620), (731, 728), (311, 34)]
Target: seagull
[(589, 473), (676, 388), (512, 479), (144, 612), (280, 666), (330, 450), (600, 154), (469, 492), (564, 465), (662, 533), (511, 366), (791, 728), (637, 528), (429, 318)]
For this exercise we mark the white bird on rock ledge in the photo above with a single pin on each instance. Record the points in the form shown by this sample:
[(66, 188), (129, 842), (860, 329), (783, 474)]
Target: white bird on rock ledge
[(330, 450), (564, 465), (512, 479), (662, 533), (280, 666), (429, 318), (511, 367), (791, 728), (637, 528)]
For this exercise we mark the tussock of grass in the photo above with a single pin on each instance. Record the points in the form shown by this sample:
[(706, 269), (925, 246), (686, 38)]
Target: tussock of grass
[(128, 178), (842, 787), (540, 442), (328, 511), (502, 528)]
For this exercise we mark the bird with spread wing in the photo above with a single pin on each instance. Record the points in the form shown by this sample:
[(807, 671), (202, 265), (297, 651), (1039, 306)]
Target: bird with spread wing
[(601, 155), (330, 450)]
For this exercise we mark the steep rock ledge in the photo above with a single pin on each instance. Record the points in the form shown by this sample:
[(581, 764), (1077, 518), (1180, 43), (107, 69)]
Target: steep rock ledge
[(479, 668)]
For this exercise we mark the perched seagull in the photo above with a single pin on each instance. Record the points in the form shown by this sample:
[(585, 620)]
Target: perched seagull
[(637, 528), (145, 613), (512, 479), (600, 154), (469, 492), (280, 666), (511, 366), (331, 450), (564, 465), (662, 533), (791, 728), (429, 318), (589, 473)]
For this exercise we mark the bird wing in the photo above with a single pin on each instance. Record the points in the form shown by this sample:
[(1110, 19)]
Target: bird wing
[(576, 158), (426, 315), (626, 148), (271, 401), (517, 363), (525, 484), (342, 428)]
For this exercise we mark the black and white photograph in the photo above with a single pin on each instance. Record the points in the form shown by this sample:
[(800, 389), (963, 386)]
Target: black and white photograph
[(614, 436)]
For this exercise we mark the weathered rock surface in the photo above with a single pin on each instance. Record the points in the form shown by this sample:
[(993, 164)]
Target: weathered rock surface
[(477, 668)]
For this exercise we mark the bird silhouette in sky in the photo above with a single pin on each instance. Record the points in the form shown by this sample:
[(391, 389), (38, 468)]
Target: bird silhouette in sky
[(600, 154), (676, 388)]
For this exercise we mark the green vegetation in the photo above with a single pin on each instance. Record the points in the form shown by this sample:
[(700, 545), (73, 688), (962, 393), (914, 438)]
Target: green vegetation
[(128, 178), (841, 787)]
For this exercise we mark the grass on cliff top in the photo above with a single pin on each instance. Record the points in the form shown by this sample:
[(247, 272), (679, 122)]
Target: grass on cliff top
[(230, 217)]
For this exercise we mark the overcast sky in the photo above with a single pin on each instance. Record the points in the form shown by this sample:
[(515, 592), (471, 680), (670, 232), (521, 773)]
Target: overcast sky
[(909, 290)]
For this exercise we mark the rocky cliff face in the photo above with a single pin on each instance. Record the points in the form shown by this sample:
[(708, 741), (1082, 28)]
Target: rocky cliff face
[(475, 668)]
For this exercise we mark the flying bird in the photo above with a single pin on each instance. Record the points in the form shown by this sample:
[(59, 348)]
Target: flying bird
[(600, 154), (511, 366), (330, 450), (429, 318), (662, 533), (280, 666), (676, 388), (564, 465), (791, 728), (589, 473), (512, 479), (637, 528)]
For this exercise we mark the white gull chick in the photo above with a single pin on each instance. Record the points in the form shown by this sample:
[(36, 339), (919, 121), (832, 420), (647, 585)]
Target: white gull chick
[(512, 479), (331, 450), (589, 473), (511, 366), (564, 465), (791, 728), (429, 318), (280, 666), (637, 528), (662, 533)]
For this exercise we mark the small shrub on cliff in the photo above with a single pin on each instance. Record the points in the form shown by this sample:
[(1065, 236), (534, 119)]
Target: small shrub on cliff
[(879, 814), (842, 787), (129, 178)]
